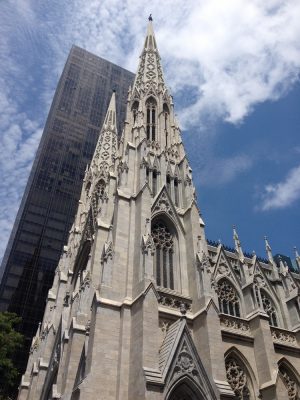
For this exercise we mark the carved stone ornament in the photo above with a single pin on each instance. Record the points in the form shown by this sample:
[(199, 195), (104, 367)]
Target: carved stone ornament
[(171, 301), (108, 251), (148, 245), (204, 264), (283, 336), (259, 280), (35, 344), (185, 362), (67, 299), (223, 269), (163, 205), (86, 282), (290, 383), (87, 327), (237, 379), (122, 167), (187, 180), (88, 229), (232, 323), (164, 327)]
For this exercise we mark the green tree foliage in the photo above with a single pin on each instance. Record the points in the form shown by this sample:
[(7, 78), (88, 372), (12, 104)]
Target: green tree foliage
[(10, 342)]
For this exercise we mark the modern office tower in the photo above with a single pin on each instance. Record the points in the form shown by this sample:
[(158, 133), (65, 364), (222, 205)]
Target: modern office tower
[(51, 196), (142, 306)]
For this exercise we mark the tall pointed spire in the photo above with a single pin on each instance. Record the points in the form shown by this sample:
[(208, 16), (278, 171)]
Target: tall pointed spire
[(105, 152), (149, 75), (238, 247)]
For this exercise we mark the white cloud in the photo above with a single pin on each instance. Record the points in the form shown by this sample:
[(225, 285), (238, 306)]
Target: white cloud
[(20, 134), (237, 53), (282, 194), (220, 171)]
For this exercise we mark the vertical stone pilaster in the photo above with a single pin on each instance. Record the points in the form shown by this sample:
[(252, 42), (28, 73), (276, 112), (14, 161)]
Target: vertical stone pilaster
[(264, 356), (75, 346), (144, 341), (208, 341)]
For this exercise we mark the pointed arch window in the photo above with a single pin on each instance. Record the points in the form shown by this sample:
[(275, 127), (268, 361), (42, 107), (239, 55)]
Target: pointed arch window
[(151, 106), (168, 181), (99, 194), (176, 192), (269, 308), (164, 254), (166, 113), (228, 299), (134, 109), (290, 381), (237, 379), (154, 182)]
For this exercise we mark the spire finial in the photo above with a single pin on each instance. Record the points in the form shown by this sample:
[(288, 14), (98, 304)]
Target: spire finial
[(149, 73), (237, 243), (269, 252)]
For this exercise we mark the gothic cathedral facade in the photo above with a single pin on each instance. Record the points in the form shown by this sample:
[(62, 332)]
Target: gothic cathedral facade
[(142, 306)]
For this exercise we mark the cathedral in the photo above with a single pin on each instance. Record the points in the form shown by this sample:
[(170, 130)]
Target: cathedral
[(142, 305)]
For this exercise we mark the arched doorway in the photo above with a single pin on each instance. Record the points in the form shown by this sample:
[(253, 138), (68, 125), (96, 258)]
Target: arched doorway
[(185, 389)]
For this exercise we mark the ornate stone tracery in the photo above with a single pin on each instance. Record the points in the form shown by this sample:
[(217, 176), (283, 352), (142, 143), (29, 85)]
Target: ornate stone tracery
[(163, 204), (99, 194), (290, 383), (164, 249), (185, 362), (269, 308), (237, 379), (228, 299)]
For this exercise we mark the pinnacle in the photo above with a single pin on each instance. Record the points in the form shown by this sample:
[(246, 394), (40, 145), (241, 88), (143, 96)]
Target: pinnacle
[(103, 154), (149, 73), (150, 42), (110, 118)]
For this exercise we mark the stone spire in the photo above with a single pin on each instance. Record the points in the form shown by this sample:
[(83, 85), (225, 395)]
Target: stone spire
[(106, 148), (237, 243), (297, 256), (269, 252), (149, 76)]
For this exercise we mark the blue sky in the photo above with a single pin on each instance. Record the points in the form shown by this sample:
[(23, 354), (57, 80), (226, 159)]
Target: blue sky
[(233, 68)]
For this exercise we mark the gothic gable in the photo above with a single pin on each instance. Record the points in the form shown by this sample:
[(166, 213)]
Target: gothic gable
[(261, 280), (164, 205), (223, 268), (179, 359)]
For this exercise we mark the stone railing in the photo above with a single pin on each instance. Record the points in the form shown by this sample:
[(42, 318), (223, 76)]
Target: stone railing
[(234, 324), (282, 336), (168, 298)]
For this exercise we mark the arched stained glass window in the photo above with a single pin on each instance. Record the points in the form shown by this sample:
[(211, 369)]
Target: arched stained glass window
[(228, 299), (151, 118), (164, 255)]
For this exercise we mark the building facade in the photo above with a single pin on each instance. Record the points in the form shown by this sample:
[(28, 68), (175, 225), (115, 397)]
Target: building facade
[(142, 306), (50, 201)]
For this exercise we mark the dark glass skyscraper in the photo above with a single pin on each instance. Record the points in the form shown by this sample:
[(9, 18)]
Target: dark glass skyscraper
[(53, 189)]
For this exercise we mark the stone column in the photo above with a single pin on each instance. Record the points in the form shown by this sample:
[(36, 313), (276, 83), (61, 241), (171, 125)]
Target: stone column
[(264, 355), (208, 341)]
